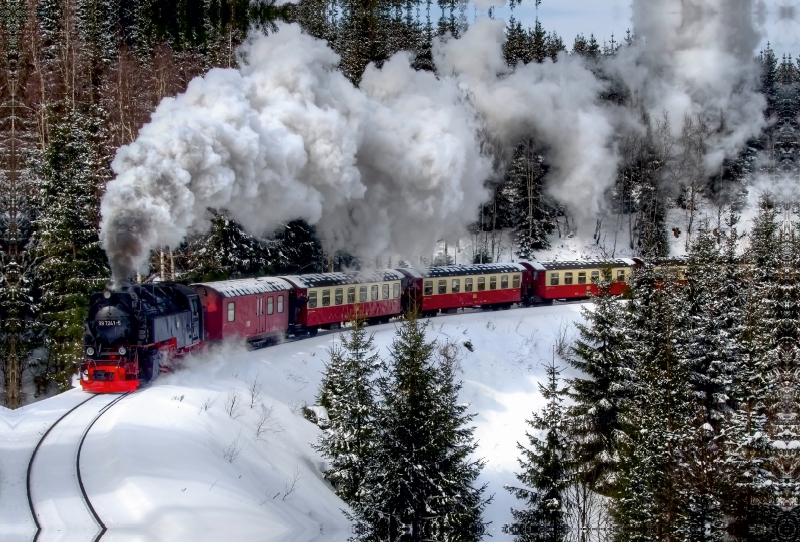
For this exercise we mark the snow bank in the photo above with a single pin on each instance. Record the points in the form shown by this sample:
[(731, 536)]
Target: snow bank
[(155, 465)]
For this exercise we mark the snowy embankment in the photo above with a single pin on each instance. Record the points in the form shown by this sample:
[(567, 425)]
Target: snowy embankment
[(171, 463)]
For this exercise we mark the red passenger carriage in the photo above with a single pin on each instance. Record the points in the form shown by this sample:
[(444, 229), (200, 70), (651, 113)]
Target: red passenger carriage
[(256, 309), (577, 280), (449, 288), (326, 300)]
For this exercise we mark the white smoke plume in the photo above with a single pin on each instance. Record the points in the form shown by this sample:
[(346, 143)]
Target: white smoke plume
[(395, 163), (695, 59), (557, 103)]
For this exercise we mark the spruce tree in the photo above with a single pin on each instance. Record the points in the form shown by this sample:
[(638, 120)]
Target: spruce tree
[(749, 479), (601, 354), (657, 414), (72, 263), (225, 251), (546, 467), (420, 481), (347, 393), (534, 215)]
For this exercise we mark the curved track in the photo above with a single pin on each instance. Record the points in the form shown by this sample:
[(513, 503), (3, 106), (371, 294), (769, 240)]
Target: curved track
[(59, 504)]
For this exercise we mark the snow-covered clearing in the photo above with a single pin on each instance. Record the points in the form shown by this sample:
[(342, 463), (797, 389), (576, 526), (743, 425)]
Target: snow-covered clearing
[(177, 461)]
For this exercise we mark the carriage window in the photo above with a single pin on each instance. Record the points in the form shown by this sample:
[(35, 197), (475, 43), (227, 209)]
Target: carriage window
[(493, 283), (280, 303), (515, 281), (504, 281), (456, 286), (351, 295), (481, 284), (595, 276), (467, 285), (582, 277), (312, 300), (396, 290), (326, 298), (338, 296), (442, 286), (568, 278), (231, 311), (362, 294), (375, 292), (259, 306), (553, 279), (385, 291), (428, 287), (270, 305), (621, 275)]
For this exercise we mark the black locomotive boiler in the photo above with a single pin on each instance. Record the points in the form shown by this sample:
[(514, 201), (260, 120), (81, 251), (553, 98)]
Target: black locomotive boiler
[(133, 333)]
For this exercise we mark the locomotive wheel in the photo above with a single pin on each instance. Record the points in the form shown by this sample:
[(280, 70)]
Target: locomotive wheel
[(149, 368), (312, 331)]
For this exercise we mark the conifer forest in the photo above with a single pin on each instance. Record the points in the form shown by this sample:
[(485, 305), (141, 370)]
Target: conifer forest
[(672, 416)]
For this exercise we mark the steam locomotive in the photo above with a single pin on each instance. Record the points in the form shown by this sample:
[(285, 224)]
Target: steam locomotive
[(136, 332)]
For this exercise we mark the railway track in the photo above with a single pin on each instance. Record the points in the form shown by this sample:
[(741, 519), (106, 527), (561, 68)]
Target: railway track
[(58, 501)]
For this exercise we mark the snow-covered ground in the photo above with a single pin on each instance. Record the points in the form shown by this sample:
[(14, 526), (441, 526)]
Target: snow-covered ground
[(161, 466)]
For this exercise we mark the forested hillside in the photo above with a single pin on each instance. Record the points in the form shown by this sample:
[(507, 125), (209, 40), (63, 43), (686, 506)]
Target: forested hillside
[(81, 77)]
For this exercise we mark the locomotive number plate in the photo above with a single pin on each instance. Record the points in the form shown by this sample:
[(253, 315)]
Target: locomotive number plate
[(105, 323)]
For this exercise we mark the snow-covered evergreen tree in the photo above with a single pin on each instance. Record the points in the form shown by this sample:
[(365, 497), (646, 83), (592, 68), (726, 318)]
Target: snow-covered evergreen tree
[(347, 394), (546, 468), (72, 263), (749, 452), (655, 425), (601, 354), (420, 482), (225, 251), (534, 215), (587, 48)]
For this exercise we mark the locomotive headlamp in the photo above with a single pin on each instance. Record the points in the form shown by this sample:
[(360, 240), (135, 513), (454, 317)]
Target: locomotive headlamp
[(107, 294), (90, 351), (122, 350)]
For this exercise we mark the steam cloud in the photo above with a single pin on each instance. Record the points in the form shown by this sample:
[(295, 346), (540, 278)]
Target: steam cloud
[(695, 58), (397, 163), (391, 164)]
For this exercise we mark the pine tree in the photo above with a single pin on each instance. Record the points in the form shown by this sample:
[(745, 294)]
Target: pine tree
[(713, 352), (420, 482), (534, 215), (225, 251), (658, 413), (515, 48), (347, 394), (748, 447), (602, 355), (769, 83), (588, 49), (545, 469), (710, 361), (72, 263), (296, 248)]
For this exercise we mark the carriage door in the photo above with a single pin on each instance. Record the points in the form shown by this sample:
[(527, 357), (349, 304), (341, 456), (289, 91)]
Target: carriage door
[(195, 330), (261, 326)]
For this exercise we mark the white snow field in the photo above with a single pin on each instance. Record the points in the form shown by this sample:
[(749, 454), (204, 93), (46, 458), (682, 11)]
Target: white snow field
[(171, 463)]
